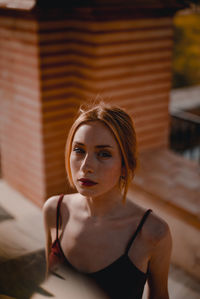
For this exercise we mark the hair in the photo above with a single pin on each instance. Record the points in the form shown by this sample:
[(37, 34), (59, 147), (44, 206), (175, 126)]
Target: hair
[(121, 125)]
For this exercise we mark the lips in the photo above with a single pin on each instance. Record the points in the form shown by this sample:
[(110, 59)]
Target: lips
[(87, 182)]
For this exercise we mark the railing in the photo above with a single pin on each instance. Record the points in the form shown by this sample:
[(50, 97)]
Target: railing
[(185, 134)]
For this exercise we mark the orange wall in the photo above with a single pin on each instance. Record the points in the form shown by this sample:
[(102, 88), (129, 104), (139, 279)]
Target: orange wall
[(22, 151), (50, 67)]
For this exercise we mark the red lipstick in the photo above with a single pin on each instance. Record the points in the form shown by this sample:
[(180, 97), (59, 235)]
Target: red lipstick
[(87, 182)]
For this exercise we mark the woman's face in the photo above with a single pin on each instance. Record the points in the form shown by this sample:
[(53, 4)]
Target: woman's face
[(95, 160)]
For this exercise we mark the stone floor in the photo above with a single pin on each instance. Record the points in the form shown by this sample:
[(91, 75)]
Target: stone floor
[(22, 265)]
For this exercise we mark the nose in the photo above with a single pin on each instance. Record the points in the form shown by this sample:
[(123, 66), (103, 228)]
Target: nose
[(87, 164)]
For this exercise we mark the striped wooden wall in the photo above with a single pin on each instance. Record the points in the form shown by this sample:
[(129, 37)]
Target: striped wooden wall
[(128, 62), (51, 67), (20, 104)]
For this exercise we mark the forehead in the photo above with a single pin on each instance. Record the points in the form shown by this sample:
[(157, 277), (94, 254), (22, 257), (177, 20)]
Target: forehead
[(94, 132)]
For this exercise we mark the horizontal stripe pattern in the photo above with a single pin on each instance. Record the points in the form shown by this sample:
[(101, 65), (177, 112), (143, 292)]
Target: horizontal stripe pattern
[(126, 62), (22, 148), (49, 68)]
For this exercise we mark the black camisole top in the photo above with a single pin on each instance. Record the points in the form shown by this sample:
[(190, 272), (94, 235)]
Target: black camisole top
[(119, 280)]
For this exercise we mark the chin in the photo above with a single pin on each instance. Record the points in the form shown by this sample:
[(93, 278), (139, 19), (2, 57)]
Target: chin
[(86, 191), (89, 193)]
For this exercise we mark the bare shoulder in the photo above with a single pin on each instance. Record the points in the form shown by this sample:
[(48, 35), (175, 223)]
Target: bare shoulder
[(157, 230), (51, 203), (50, 208)]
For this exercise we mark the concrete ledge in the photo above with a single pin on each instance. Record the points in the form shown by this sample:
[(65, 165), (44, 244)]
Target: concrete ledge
[(170, 185)]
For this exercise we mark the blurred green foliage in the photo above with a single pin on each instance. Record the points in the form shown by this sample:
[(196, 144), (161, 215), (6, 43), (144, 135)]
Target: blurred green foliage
[(186, 53)]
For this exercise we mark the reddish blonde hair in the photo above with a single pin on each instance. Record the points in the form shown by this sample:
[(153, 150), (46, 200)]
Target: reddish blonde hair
[(122, 127)]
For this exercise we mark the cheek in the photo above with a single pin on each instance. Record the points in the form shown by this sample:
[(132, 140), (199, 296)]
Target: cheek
[(113, 171), (74, 163)]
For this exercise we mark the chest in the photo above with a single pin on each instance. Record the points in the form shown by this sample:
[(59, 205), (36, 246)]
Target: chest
[(95, 234), (93, 245)]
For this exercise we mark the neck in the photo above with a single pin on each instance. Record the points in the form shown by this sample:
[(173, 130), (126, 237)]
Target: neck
[(105, 205)]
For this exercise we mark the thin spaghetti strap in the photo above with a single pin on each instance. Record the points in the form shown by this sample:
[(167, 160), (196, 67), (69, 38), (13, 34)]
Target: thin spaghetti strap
[(138, 230), (58, 214)]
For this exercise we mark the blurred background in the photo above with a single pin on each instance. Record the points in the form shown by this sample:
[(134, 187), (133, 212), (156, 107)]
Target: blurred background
[(142, 55), (184, 137)]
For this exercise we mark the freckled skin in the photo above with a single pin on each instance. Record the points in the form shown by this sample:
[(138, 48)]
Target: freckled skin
[(95, 224), (102, 165)]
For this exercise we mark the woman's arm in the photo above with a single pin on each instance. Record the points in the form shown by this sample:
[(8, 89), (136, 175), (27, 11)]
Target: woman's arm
[(49, 218), (159, 266)]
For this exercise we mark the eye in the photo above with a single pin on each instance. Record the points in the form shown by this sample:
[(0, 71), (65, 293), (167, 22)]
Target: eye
[(104, 154), (78, 150)]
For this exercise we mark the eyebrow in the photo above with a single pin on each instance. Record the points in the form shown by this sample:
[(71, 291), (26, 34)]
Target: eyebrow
[(97, 146)]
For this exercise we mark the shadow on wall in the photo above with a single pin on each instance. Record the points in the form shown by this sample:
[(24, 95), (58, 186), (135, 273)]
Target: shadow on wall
[(20, 278)]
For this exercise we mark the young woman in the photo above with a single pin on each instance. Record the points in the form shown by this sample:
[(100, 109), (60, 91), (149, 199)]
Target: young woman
[(104, 235)]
